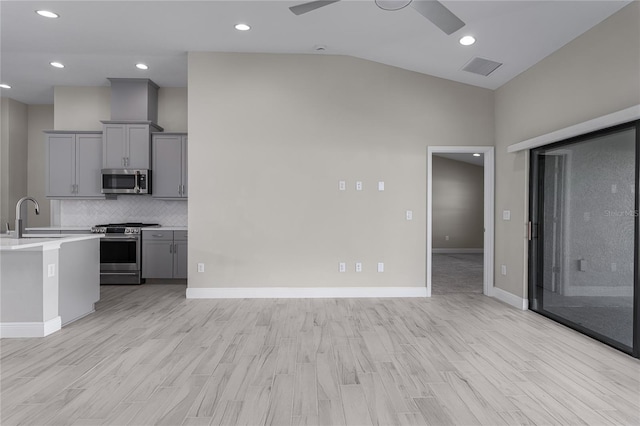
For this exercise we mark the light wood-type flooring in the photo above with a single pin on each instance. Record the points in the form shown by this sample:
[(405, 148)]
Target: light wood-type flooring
[(149, 356)]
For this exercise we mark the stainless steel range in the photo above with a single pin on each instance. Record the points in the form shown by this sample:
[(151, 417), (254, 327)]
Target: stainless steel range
[(120, 252)]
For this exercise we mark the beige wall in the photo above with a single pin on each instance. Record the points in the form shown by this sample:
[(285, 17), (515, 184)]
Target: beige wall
[(270, 137), (82, 108), (596, 74), (458, 204), (172, 109), (13, 141), (40, 119)]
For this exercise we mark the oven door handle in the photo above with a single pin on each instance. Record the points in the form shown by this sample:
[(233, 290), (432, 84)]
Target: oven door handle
[(118, 273), (118, 238), (128, 237)]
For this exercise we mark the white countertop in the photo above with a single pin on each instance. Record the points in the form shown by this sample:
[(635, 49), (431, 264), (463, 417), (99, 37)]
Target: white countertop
[(169, 228), (41, 242), (59, 228)]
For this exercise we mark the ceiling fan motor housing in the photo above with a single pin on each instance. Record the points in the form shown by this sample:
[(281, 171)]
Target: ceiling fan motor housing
[(392, 4)]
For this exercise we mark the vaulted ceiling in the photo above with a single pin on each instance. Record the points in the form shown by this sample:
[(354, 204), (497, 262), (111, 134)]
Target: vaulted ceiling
[(99, 39)]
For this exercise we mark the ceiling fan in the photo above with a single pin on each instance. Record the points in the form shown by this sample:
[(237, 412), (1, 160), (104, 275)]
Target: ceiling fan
[(433, 10)]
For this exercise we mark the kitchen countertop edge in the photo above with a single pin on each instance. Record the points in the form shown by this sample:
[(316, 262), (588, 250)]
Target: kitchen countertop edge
[(46, 242)]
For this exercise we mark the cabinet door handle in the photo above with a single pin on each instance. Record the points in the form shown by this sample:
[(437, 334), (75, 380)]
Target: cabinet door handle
[(73, 187), (179, 189), (170, 248), (175, 248)]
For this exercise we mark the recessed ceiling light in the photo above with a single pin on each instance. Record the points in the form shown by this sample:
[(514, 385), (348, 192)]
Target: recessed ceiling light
[(5, 86), (142, 66), (47, 14), (242, 27), (57, 64), (467, 40), (476, 155)]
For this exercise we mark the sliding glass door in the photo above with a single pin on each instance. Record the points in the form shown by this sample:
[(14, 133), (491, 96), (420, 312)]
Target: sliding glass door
[(583, 261)]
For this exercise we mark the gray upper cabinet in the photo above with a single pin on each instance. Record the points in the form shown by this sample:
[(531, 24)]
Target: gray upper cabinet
[(127, 145), (169, 165), (74, 160)]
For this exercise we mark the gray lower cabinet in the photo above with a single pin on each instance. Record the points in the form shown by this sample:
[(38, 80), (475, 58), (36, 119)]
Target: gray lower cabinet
[(169, 165), (164, 254), (74, 161), (127, 145)]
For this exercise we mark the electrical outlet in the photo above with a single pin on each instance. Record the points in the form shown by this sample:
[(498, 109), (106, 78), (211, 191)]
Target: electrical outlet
[(342, 185), (503, 269), (200, 267), (409, 215), (51, 270), (380, 267), (446, 238), (358, 186), (358, 267), (342, 267)]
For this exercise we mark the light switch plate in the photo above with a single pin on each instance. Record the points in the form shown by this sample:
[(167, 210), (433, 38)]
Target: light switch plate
[(380, 267), (51, 270), (380, 186), (506, 214), (503, 269), (200, 267)]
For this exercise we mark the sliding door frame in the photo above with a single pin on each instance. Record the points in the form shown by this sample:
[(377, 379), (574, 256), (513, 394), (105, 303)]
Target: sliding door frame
[(535, 261)]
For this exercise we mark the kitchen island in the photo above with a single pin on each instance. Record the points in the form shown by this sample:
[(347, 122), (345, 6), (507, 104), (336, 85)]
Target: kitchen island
[(46, 283)]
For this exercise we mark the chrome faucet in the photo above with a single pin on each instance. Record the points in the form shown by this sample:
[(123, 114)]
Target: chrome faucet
[(19, 225)]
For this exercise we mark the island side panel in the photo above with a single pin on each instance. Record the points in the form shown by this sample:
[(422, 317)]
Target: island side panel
[(79, 278), (22, 287), (50, 284)]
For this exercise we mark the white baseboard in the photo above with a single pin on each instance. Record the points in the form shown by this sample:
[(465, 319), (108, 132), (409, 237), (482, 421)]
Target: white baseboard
[(304, 292), (510, 299), (456, 250), (30, 329)]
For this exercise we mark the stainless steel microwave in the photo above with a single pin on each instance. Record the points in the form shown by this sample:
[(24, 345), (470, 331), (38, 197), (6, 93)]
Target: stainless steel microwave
[(126, 181)]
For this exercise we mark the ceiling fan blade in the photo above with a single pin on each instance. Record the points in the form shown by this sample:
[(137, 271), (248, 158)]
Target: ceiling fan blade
[(437, 13), (312, 5)]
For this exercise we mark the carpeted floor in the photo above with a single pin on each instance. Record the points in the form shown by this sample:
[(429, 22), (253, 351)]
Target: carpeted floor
[(456, 273)]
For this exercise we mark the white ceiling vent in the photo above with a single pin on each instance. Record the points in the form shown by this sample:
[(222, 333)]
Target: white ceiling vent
[(481, 66)]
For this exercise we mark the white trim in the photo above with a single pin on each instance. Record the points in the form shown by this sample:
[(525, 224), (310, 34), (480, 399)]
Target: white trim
[(457, 250), (489, 200), (613, 119), (510, 299), (303, 292), (30, 329)]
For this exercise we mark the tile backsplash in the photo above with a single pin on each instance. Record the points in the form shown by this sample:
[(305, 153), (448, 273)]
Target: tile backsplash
[(127, 208)]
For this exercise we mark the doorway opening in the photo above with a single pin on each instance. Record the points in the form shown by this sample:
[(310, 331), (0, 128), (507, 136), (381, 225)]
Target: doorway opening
[(462, 219)]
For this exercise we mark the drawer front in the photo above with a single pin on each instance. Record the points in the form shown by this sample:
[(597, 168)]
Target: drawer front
[(180, 235), (156, 234)]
